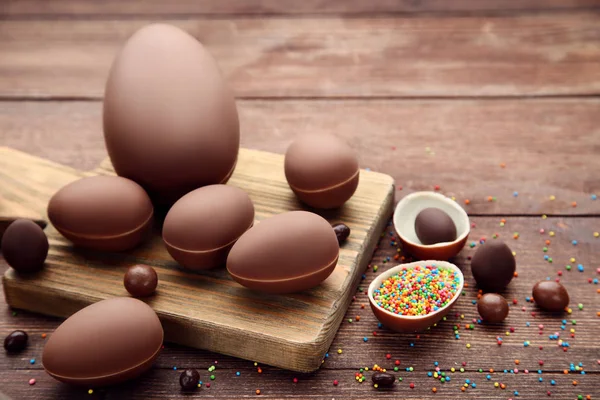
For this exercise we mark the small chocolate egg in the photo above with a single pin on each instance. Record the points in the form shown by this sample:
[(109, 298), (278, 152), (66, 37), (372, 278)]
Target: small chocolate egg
[(105, 343), (25, 246), (342, 231), (140, 280), (321, 170), (286, 253), (106, 213), (433, 225), (493, 265), (492, 307), (383, 379), (170, 121), (201, 227), (550, 296), (16, 341)]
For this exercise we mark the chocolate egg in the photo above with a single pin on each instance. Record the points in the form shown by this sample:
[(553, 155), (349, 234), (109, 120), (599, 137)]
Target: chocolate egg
[(433, 225), (25, 246), (286, 253), (493, 265), (550, 296), (106, 213), (170, 121), (321, 170), (201, 227), (492, 307), (105, 343)]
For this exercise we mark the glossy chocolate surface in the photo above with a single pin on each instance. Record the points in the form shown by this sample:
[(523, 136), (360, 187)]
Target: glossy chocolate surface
[(140, 280), (25, 246), (15, 341), (188, 380), (383, 379), (433, 225), (286, 253), (550, 295), (105, 343), (201, 227), (493, 265), (108, 213), (170, 121), (322, 170), (492, 307), (342, 231)]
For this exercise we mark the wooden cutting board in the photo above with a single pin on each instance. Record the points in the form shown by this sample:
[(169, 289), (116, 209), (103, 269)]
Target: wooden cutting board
[(206, 310)]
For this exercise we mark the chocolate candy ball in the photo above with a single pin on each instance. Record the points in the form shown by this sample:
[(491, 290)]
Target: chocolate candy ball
[(16, 341), (492, 307), (189, 379), (140, 280), (383, 379), (433, 225), (550, 296), (342, 231), (25, 246), (493, 265)]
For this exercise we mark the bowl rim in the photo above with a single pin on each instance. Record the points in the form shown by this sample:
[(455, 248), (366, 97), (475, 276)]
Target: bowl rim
[(380, 278), (438, 197)]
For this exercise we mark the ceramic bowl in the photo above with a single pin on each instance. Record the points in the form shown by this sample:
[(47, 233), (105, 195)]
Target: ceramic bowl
[(406, 323), (404, 222)]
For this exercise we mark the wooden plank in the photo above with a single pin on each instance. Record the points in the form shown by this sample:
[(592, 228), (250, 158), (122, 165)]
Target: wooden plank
[(549, 146), (86, 8), (505, 55), (437, 345), (278, 384), (208, 310)]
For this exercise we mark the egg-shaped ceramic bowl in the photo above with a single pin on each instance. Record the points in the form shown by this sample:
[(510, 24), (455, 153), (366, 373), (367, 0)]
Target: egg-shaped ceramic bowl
[(409, 323), (404, 223)]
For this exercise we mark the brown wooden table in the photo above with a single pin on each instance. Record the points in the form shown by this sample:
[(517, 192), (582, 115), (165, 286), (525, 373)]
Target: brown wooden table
[(490, 101)]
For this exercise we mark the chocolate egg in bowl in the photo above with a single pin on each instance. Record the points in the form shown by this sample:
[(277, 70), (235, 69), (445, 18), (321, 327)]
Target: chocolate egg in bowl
[(412, 297), (431, 226)]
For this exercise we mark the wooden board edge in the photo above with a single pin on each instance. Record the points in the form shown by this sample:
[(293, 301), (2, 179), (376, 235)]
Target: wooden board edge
[(300, 356), (327, 335)]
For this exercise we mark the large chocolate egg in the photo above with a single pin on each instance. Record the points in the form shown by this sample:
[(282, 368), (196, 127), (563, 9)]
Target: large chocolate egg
[(201, 227), (286, 253), (106, 343), (170, 121), (321, 170), (106, 213)]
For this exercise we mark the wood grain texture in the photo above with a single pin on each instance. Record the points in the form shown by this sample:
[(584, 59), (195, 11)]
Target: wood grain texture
[(208, 310), (505, 55), (437, 345), (86, 8), (549, 146)]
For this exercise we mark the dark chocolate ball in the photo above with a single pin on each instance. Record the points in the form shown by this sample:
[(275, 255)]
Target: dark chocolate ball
[(342, 231), (189, 379), (433, 225), (492, 307), (15, 341), (140, 280), (550, 296), (25, 246), (383, 379), (493, 265)]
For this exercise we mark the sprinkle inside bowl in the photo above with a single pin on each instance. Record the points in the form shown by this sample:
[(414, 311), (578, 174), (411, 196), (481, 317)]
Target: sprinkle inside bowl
[(417, 291), (412, 297)]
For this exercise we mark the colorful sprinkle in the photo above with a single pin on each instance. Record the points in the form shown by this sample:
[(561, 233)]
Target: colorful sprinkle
[(417, 291)]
